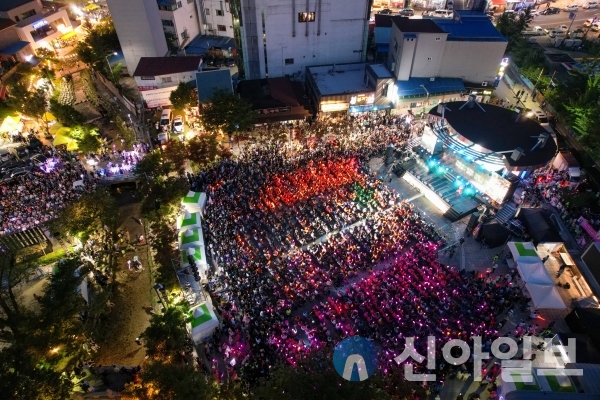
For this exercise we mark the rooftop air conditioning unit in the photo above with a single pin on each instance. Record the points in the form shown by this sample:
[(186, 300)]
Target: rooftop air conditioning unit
[(431, 79), (484, 83)]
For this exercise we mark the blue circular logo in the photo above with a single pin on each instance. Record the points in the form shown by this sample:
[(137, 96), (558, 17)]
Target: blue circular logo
[(355, 359)]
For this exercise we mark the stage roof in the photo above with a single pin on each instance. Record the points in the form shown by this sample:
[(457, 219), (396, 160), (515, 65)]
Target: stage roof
[(496, 130)]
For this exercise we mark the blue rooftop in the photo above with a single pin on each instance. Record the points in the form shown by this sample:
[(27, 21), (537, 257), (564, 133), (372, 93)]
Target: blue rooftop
[(14, 48), (412, 87), (470, 26), (210, 80), (202, 43)]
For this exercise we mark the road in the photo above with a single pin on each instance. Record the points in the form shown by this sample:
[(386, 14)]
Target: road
[(562, 18)]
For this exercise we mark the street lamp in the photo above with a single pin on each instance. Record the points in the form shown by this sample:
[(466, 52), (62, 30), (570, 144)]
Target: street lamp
[(108, 62), (426, 100)]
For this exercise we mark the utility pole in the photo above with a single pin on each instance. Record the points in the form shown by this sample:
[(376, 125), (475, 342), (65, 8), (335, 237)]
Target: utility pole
[(533, 92)]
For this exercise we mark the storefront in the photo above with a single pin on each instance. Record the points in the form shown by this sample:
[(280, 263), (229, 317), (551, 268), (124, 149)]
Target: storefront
[(45, 30)]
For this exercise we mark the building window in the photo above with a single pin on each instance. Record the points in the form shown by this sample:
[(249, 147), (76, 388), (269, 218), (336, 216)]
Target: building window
[(27, 14), (306, 17), (184, 34), (207, 11), (429, 58), (166, 80), (221, 28), (220, 13), (264, 29), (179, 4), (209, 27), (289, 61), (190, 1), (167, 22), (414, 105), (384, 90), (438, 38)]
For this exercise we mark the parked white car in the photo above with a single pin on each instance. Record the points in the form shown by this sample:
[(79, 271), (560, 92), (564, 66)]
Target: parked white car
[(557, 32), (572, 7), (591, 4)]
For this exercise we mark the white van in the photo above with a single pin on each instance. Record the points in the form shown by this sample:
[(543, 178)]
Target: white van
[(441, 13), (591, 4), (166, 119)]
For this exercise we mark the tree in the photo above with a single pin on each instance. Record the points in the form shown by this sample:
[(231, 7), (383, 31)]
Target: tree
[(203, 150), (101, 41), (228, 113), (152, 165), (511, 26), (160, 380), (86, 137), (176, 153), (29, 103), (166, 335), (90, 213), (65, 114), (184, 96)]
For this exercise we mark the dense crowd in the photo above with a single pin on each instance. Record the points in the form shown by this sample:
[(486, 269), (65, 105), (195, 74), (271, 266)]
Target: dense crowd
[(36, 197), (314, 249)]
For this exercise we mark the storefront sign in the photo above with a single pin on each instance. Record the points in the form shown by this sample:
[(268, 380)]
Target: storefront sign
[(144, 88), (362, 99), (158, 97), (39, 24), (334, 107), (147, 78), (274, 110)]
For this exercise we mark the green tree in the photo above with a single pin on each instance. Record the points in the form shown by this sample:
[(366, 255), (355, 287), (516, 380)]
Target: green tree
[(92, 212), (160, 380), (65, 114), (166, 335), (87, 138), (184, 96), (511, 27), (152, 165), (101, 41), (228, 113), (20, 99), (203, 150), (176, 153)]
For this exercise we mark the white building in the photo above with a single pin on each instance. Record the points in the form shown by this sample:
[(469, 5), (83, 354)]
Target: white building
[(18, 10), (139, 29), (282, 37), (179, 18), (215, 17), (157, 77)]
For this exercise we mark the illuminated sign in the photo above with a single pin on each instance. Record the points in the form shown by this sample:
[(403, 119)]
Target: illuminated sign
[(490, 183), (362, 99), (147, 78), (487, 92), (334, 107), (274, 110), (145, 88), (39, 24), (504, 62)]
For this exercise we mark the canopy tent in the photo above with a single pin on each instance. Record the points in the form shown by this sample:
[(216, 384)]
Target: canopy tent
[(191, 202), (91, 7), (198, 254), (202, 203), (55, 128), (523, 251), (494, 234), (48, 117), (10, 124), (190, 238), (545, 296), (534, 272), (189, 221), (68, 35), (203, 322)]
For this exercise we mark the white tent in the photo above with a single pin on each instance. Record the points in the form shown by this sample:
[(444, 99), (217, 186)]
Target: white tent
[(203, 322), (189, 221), (523, 251), (191, 201), (545, 296), (202, 203), (534, 272), (190, 238)]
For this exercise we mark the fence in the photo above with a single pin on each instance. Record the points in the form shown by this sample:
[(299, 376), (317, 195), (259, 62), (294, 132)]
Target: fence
[(115, 92)]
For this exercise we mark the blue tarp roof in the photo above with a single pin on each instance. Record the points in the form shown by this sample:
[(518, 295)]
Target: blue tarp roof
[(470, 26), (201, 43), (209, 80), (382, 35), (412, 87), (14, 48)]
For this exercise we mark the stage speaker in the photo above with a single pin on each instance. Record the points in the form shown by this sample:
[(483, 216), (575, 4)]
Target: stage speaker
[(473, 221), (398, 170)]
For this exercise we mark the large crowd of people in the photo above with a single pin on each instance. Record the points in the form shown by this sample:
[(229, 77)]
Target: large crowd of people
[(314, 249), (33, 198)]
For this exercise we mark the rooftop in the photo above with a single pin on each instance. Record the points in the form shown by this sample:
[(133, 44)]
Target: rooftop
[(410, 25), (496, 130), (14, 48), (380, 71), (6, 23), (414, 86), (469, 26), (340, 79), (157, 66), (210, 80), (203, 43), (7, 5)]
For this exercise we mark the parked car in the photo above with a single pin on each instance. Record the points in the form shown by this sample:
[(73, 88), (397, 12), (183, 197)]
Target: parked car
[(591, 4), (38, 159), (230, 62), (550, 11), (595, 27), (562, 27), (34, 144), (22, 152), (556, 32), (178, 124), (572, 7), (407, 12), (20, 171), (386, 11), (219, 61), (588, 22), (11, 165)]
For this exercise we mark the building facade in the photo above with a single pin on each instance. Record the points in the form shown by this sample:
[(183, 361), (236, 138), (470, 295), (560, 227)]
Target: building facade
[(18, 10), (139, 28), (179, 18), (215, 17), (283, 37)]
